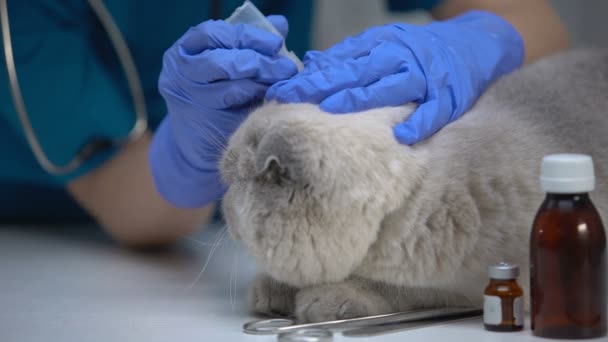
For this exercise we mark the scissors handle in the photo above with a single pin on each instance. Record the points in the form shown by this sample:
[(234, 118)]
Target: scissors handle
[(276, 326), (268, 326)]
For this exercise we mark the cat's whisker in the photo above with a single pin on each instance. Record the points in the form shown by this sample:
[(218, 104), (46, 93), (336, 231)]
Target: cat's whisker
[(217, 153), (222, 134), (233, 278), (216, 137), (198, 242), (213, 132), (214, 141), (212, 137), (236, 271), (217, 242)]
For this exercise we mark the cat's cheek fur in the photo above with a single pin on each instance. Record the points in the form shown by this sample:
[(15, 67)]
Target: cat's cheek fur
[(306, 244)]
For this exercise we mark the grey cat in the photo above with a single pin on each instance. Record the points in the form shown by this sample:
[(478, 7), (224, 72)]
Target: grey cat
[(344, 221)]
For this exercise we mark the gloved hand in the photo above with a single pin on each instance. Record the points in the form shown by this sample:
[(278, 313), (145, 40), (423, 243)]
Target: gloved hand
[(443, 66), (211, 78)]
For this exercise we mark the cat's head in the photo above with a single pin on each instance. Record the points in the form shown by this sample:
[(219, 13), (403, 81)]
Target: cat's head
[(308, 190)]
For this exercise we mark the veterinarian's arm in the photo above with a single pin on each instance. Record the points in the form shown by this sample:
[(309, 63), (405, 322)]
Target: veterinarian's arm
[(537, 22), (122, 197)]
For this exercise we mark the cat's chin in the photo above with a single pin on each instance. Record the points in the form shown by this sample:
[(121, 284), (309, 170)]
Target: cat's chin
[(305, 262), (301, 279)]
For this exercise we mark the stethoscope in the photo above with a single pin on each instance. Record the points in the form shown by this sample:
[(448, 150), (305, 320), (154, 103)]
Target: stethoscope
[(97, 144)]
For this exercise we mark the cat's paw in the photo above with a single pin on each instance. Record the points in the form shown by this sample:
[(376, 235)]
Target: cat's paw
[(338, 301), (270, 297)]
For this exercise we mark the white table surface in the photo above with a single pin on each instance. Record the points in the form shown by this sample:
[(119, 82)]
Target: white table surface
[(70, 283)]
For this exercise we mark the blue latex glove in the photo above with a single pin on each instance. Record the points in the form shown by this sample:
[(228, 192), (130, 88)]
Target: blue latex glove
[(443, 66), (211, 78)]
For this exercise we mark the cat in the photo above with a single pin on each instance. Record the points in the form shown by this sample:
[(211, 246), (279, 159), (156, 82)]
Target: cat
[(344, 221)]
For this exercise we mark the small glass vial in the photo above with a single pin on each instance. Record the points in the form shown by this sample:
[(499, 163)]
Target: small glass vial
[(568, 253), (503, 305)]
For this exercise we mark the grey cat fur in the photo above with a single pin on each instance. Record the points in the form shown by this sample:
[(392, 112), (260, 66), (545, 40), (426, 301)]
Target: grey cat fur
[(344, 221)]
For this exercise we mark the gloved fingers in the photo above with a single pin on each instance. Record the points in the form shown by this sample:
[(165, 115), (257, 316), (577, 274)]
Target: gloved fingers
[(222, 64), (311, 55), (218, 34), (280, 23), (315, 61), (316, 85), (232, 94), (214, 96), (393, 90), (427, 120)]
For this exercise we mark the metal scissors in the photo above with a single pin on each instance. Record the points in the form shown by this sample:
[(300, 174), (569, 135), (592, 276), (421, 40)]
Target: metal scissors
[(288, 330)]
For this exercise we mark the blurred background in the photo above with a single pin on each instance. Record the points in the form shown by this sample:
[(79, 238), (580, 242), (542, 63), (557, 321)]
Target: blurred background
[(586, 20)]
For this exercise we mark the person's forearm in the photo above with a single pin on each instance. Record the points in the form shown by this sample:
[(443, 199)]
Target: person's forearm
[(538, 23), (121, 195)]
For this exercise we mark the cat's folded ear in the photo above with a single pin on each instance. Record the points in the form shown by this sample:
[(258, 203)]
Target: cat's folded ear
[(272, 170), (274, 159)]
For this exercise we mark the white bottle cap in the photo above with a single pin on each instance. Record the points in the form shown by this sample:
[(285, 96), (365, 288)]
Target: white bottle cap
[(567, 174), (503, 271)]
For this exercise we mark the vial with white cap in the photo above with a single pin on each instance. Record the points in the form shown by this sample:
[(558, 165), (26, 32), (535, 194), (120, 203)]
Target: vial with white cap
[(568, 253), (503, 304), (247, 13)]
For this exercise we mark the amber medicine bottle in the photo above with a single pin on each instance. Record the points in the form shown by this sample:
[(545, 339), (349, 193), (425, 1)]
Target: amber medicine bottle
[(568, 253), (503, 302)]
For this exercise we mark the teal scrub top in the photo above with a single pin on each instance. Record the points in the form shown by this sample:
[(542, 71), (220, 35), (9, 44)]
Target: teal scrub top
[(74, 87)]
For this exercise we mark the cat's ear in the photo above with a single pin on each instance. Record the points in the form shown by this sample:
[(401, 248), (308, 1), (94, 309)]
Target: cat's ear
[(271, 169), (275, 160)]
